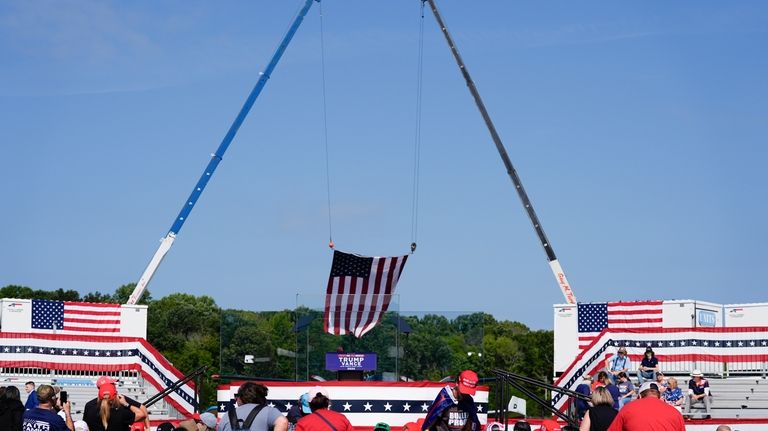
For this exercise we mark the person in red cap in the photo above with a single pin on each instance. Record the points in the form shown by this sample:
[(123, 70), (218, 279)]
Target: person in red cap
[(112, 411), (454, 408)]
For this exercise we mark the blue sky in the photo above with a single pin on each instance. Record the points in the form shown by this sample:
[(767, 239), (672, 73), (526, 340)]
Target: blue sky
[(638, 129)]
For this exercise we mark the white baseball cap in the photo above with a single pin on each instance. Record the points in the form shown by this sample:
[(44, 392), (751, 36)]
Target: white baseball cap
[(318, 390)]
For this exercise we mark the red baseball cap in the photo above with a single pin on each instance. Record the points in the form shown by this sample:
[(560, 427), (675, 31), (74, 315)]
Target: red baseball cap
[(107, 390), (105, 380), (468, 382)]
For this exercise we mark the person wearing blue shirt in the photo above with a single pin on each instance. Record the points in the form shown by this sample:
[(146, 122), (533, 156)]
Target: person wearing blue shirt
[(617, 364), (584, 388), (31, 396), (626, 390), (43, 417), (674, 395), (604, 381)]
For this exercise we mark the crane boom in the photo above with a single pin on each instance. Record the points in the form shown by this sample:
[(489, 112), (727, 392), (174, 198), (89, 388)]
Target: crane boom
[(165, 243), (554, 264)]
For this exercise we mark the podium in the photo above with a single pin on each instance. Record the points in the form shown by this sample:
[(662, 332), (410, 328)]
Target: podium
[(350, 366)]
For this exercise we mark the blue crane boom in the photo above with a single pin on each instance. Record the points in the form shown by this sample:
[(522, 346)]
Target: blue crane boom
[(167, 241)]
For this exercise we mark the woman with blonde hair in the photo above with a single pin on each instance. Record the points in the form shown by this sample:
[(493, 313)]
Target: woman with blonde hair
[(673, 395), (112, 411), (601, 414)]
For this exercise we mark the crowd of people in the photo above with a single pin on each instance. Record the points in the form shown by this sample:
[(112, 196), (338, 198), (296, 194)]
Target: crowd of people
[(655, 403), (615, 404), (48, 409)]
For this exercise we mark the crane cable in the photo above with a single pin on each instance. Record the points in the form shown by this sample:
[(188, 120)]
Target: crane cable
[(325, 127), (417, 138)]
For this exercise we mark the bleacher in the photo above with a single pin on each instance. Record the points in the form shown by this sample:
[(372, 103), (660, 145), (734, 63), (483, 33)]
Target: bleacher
[(743, 397), (81, 387)]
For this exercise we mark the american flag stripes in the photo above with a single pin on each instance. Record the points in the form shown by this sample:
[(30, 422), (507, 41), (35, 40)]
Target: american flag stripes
[(79, 318), (594, 317), (359, 292)]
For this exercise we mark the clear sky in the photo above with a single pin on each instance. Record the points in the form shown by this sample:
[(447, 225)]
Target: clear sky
[(639, 130)]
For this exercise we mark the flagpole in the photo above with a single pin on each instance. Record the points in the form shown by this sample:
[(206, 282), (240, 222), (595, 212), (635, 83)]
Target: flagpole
[(554, 265)]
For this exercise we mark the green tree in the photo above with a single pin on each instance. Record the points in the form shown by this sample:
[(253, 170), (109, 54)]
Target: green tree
[(184, 328), (123, 293), (23, 292)]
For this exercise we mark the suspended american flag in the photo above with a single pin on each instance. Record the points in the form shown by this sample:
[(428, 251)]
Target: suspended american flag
[(594, 317), (80, 318), (359, 292)]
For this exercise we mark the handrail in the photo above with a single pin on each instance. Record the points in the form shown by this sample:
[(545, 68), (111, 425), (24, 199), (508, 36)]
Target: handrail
[(160, 395)]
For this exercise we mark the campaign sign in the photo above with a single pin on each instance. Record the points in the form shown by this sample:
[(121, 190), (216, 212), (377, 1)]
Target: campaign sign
[(350, 361)]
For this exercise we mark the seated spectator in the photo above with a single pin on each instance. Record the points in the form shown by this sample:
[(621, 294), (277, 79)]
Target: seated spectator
[(617, 364), (596, 383), (583, 388), (662, 382), (626, 389), (649, 366), (601, 413), (602, 378), (698, 392), (673, 395)]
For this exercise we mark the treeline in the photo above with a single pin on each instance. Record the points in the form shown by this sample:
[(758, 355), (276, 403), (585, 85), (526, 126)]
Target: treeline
[(192, 331)]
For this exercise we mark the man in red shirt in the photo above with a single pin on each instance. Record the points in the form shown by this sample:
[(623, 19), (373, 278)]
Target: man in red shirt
[(322, 418), (648, 413)]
